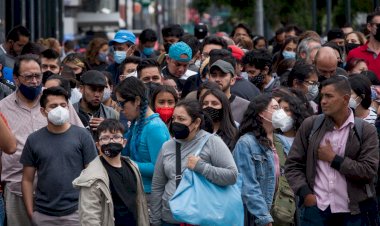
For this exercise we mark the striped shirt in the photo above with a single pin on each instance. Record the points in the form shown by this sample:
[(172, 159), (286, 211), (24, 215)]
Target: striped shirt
[(22, 121), (371, 117)]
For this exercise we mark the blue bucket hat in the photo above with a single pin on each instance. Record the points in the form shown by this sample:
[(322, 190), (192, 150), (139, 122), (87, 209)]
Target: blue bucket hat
[(123, 36), (180, 51)]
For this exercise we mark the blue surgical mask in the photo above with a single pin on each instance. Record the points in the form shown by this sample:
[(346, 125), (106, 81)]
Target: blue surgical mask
[(288, 54), (30, 92), (148, 51), (102, 57), (119, 56)]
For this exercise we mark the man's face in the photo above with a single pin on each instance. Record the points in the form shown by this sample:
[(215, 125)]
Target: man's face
[(150, 74), (224, 80), (148, 45), (207, 49), (50, 65), (29, 74), (177, 68), (92, 95), (125, 47), (252, 71), (53, 102), (128, 69), (17, 46), (107, 137), (372, 27), (170, 40), (240, 32), (326, 68), (280, 38), (338, 41), (332, 101)]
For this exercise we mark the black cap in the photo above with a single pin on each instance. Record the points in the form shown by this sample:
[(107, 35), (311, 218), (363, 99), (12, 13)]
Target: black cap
[(335, 33), (200, 31), (94, 78)]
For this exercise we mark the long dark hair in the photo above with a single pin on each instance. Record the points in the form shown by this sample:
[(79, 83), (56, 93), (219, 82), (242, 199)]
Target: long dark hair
[(162, 89), (228, 129), (129, 89), (194, 110), (251, 122), (298, 109)]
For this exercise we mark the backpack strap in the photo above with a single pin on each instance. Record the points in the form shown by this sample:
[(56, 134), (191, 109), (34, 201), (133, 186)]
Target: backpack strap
[(318, 121), (178, 173), (202, 143), (358, 128)]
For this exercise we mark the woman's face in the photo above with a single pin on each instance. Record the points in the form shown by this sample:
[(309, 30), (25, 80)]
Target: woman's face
[(290, 47), (130, 109), (180, 115), (76, 69), (260, 44), (104, 49), (352, 38), (267, 113), (285, 106), (303, 85), (360, 67), (164, 99), (211, 101)]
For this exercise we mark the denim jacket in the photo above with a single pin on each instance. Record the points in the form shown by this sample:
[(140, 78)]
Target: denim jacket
[(256, 164)]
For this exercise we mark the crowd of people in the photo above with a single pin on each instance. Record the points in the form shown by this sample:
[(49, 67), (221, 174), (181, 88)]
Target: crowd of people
[(97, 137)]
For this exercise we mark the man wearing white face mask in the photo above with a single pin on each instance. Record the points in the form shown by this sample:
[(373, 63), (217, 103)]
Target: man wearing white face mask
[(123, 46), (57, 165)]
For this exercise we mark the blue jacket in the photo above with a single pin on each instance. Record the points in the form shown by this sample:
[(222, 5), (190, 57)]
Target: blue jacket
[(256, 164), (153, 135)]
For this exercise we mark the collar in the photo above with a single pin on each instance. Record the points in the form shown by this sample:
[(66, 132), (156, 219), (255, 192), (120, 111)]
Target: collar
[(269, 83), (349, 121)]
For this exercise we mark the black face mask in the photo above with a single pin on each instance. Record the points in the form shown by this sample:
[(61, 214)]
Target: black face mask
[(179, 130), (46, 75), (167, 47), (351, 46), (258, 80), (215, 114), (111, 150), (78, 76)]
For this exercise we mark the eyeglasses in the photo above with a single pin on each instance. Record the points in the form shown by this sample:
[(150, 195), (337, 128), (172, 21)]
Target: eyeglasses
[(121, 103), (29, 77), (106, 139)]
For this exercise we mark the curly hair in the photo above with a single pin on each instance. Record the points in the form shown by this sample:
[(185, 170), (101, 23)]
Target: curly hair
[(93, 49), (252, 123)]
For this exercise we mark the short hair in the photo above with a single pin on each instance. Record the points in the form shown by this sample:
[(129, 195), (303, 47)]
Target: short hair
[(148, 35), (110, 125), (193, 42), (16, 32), (129, 60), (53, 91), (295, 28), (108, 75), (222, 54), (147, 63), (340, 83), (51, 54), (172, 30), (303, 46), (215, 40), (372, 15), (63, 82), (245, 27), (258, 58), (351, 64), (361, 86), (26, 57)]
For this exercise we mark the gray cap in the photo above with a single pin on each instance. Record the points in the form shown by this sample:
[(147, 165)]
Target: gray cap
[(224, 66), (93, 78)]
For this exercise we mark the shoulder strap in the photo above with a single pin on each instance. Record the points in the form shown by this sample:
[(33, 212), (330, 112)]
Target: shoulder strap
[(358, 127), (280, 151), (202, 143), (178, 173), (317, 124)]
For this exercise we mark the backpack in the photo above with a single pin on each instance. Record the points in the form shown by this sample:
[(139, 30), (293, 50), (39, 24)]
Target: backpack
[(284, 204)]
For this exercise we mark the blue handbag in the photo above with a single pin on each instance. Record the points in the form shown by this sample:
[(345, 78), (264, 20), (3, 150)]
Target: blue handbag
[(198, 201)]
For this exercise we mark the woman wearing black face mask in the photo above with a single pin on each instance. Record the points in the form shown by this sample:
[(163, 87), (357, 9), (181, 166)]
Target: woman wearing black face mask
[(215, 103), (215, 161)]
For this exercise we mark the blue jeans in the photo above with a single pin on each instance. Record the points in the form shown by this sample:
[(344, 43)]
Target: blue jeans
[(313, 216), (2, 210)]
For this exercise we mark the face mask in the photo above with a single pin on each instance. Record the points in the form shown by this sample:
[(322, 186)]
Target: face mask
[(280, 120), (111, 150), (119, 56), (257, 80), (58, 116), (78, 76), (46, 75), (167, 47), (30, 92), (312, 92), (288, 54), (215, 114), (179, 130), (165, 113), (148, 51), (102, 57), (198, 63), (106, 94), (352, 103), (377, 35)]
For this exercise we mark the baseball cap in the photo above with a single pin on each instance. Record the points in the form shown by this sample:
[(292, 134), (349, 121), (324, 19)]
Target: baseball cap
[(224, 66), (94, 78), (200, 30), (123, 36), (180, 51), (236, 52)]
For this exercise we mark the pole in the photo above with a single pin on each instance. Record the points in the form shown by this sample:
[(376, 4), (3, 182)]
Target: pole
[(314, 15), (348, 11), (328, 8), (259, 17)]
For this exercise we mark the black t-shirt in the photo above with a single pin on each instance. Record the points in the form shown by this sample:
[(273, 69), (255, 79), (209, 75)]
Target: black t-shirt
[(123, 188)]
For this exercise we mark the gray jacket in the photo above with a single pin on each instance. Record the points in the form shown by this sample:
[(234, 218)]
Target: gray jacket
[(95, 200), (216, 164)]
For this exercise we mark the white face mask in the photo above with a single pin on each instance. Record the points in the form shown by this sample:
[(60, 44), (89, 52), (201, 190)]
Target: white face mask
[(58, 116), (312, 92), (106, 94), (280, 120), (353, 104)]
